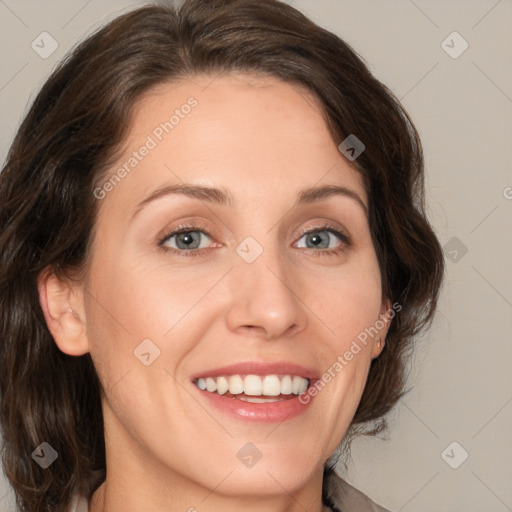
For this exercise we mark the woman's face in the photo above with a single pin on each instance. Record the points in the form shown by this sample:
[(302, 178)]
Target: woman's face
[(244, 285)]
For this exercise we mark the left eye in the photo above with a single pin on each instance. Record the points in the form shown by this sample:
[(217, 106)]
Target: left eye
[(320, 238)]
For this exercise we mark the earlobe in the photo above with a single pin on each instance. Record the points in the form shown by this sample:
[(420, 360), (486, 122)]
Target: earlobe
[(383, 325), (62, 305)]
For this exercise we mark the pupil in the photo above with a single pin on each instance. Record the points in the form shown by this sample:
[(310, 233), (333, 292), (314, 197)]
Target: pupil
[(186, 238), (316, 239)]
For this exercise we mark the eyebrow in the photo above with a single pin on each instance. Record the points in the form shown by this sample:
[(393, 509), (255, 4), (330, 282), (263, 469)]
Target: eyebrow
[(223, 197)]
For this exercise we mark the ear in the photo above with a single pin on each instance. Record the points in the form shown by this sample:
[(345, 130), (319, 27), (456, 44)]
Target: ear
[(382, 324), (63, 307)]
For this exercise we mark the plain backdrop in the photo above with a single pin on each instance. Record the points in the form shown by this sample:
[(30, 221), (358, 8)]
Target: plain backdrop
[(449, 447)]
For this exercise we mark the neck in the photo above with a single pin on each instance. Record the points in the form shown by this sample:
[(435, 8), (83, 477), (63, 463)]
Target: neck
[(104, 500)]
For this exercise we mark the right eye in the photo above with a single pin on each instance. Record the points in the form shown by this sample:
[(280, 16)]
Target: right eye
[(184, 239)]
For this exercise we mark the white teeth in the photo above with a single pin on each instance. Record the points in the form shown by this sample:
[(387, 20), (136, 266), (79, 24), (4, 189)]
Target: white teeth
[(222, 385), (211, 385), (299, 386), (271, 385), (286, 385), (236, 384), (254, 385)]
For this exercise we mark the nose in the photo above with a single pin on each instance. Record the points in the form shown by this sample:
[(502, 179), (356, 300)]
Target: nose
[(264, 302)]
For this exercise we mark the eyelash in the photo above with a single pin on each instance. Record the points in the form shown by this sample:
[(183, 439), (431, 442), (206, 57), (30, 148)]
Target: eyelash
[(344, 238)]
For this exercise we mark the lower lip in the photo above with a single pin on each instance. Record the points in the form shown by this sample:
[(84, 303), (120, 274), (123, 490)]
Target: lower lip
[(270, 412)]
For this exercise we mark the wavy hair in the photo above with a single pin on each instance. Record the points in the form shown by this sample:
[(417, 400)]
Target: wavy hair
[(72, 134)]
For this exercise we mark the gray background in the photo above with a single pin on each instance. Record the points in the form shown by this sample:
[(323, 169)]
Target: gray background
[(461, 375)]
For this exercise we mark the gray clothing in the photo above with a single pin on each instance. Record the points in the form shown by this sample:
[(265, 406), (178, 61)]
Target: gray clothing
[(342, 497)]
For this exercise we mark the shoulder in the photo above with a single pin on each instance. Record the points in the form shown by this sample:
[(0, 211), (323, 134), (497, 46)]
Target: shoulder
[(346, 497), (78, 504)]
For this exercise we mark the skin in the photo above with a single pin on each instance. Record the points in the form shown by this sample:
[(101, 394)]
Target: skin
[(264, 140)]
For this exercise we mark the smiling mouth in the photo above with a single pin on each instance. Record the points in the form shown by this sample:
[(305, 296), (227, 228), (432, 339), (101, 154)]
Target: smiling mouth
[(255, 388)]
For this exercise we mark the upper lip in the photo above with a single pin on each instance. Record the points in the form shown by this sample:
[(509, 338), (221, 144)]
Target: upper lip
[(259, 368)]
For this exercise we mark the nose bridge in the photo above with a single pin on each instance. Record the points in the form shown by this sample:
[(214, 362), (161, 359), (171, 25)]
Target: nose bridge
[(263, 297)]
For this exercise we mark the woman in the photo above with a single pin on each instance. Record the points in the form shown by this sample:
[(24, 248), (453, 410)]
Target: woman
[(214, 260)]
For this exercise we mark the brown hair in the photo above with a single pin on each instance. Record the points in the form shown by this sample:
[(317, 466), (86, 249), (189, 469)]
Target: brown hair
[(65, 145)]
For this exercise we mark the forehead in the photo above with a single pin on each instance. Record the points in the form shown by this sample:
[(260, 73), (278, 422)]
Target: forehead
[(236, 104), (248, 132)]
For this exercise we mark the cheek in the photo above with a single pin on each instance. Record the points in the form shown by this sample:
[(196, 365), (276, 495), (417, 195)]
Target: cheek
[(349, 305), (348, 300), (130, 303), (122, 311)]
